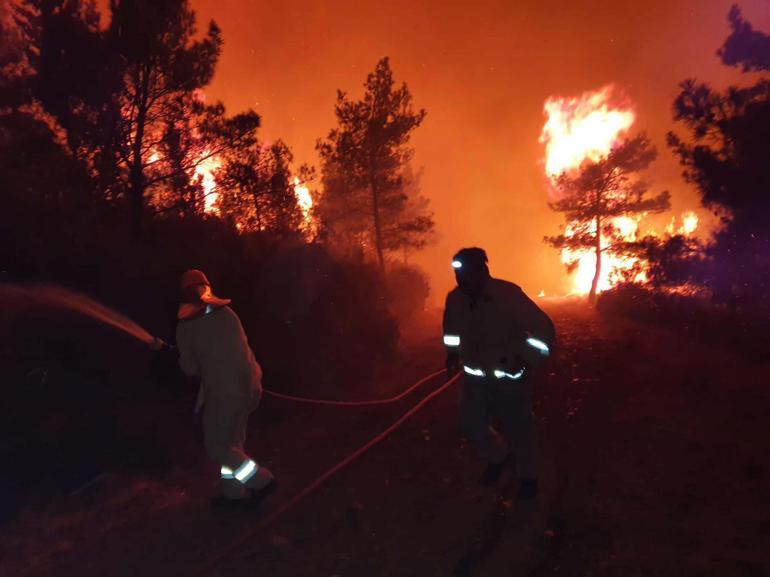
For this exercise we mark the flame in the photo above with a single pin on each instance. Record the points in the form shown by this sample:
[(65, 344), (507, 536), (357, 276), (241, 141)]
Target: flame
[(689, 223), (613, 267), (581, 128), (585, 128), (205, 172), (305, 202)]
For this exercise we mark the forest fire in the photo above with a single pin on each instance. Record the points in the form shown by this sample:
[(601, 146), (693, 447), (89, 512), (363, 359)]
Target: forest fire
[(322, 221), (586, 129), (204, 174), (688, 226), (305, 203), (581, 128)]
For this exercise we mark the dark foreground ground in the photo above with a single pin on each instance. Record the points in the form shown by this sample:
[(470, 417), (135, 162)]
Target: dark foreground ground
[(655, 461)]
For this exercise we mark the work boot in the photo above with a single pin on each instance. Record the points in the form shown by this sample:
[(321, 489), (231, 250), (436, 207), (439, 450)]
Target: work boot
[(527, 489), (252, 500), (257, 496), (492, 471)]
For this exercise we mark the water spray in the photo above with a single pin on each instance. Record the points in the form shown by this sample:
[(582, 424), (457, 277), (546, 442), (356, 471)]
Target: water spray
[(49, 296)]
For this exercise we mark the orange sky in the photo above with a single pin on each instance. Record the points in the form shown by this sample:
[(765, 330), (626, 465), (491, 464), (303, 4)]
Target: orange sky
[(483, 71)]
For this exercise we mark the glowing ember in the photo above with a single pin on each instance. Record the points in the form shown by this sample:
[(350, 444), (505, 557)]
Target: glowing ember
[(582, 128)]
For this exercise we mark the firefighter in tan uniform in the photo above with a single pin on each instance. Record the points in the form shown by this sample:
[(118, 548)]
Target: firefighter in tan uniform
[(213, 346), (496, 335)]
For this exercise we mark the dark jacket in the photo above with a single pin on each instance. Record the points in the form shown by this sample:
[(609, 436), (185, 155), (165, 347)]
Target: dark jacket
[(493, 328)]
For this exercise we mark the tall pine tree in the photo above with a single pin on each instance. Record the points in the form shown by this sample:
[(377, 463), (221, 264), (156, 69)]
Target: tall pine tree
[(363, 163), (601, 191)]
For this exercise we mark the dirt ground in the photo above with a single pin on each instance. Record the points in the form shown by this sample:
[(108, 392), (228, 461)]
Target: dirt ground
[(654, 461)]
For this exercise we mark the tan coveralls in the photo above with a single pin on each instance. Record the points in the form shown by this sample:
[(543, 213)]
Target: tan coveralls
[(214, 347), (490, 333)]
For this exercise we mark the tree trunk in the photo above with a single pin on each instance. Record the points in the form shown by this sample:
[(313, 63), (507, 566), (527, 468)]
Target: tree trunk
[(377, 226), (257, 210), (136, 171), (598, 272), (136, 183)]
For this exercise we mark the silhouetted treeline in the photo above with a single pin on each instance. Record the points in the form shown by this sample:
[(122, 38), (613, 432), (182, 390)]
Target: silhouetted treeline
[(104, 130), (725, 153)]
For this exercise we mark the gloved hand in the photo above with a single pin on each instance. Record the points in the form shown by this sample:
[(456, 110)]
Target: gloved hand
[(534, 354), (452, 363)]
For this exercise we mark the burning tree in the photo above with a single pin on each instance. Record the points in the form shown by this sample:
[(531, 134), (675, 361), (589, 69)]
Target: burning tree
[(592, 169), (259, 191), (128, 96), (164, 70), (363, 163), (598, 195), (666, 262)]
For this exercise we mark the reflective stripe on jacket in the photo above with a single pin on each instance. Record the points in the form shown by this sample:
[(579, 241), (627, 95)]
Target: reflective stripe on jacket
[(492, 330)]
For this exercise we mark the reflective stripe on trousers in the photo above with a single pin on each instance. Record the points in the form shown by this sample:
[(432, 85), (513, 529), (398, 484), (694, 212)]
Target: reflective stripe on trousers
[(243, 473)]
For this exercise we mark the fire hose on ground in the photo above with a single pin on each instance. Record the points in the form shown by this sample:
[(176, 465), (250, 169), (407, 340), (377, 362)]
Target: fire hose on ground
[(236, 544), (374, 402)]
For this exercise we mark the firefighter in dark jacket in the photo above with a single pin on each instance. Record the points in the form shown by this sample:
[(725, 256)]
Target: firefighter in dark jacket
[(496, 335)]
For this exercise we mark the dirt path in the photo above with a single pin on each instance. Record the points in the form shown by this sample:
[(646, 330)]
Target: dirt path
[(654, 453)]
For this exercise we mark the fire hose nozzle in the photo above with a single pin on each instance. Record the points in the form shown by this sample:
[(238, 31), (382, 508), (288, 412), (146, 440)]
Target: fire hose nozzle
[(158, 344)]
